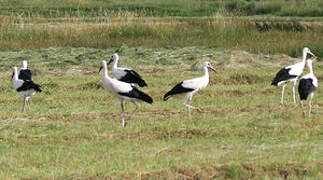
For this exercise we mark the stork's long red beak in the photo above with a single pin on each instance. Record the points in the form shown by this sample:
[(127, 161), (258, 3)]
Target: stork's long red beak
[(100, 68), (212, 68), (311, 54)]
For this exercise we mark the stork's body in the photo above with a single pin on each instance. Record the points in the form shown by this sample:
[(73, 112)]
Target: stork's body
[(26, 89), (291, 74), (307, 86), (124, 91), (191, 86), (125, 74)]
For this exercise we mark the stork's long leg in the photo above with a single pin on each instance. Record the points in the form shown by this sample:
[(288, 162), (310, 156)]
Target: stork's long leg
[(122, 113), (28, 103), (294, 92), (185, 103), (134, 111), (310, 104), (302, 106), (24, 104), (282, 98)]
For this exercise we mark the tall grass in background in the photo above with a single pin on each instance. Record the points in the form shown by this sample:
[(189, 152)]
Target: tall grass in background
[(98, 8), (102, 24), (216, 31)]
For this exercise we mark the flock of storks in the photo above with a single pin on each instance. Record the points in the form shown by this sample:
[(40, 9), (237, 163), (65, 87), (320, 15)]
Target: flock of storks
[(123, 85)]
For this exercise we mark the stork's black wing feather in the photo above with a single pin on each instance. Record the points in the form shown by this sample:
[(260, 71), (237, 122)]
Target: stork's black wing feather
[(282, 75), (25, 74), (133, 77), (305, 88), (29, 85), (136, 93), (178, 89)]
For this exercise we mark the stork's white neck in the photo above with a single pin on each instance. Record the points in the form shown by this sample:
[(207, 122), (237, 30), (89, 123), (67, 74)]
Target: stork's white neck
[(15, 76), (206, 72), (115, 63), (105, 71), (24, 64), (310, 68), (304, 57)]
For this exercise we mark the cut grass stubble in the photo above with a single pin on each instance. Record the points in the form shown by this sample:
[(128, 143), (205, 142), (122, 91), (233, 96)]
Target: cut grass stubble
[(74, 130)]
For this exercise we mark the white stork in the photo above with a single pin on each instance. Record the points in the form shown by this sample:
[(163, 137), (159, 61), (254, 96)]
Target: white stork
[(307, 86), (24, 73), (125, 74), (291, 74), (25, 88), (124, 91), (190, 87)]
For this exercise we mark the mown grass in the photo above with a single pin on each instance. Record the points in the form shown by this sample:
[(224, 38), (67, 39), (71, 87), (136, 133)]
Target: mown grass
[(74, 130), (96, 8)]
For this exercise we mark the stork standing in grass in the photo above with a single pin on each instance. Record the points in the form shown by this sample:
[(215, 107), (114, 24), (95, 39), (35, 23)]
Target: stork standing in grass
[(291, 74), (191, 86), (24, 73), (25, 88), (125, 92), (307, 86), (125, 74)]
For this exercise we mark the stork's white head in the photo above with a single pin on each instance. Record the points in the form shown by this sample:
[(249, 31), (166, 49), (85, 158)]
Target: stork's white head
[(208, 65), (103, 65), (24, 64), (115, 57), (307, 50)]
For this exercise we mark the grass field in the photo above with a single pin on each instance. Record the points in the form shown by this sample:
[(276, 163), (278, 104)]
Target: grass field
[(74, 128), (74, 131)]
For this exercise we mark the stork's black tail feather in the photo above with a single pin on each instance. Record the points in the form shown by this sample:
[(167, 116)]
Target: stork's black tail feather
[(142, 83), (167, 95), (145, 97), (34, 86), (274, 83)]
